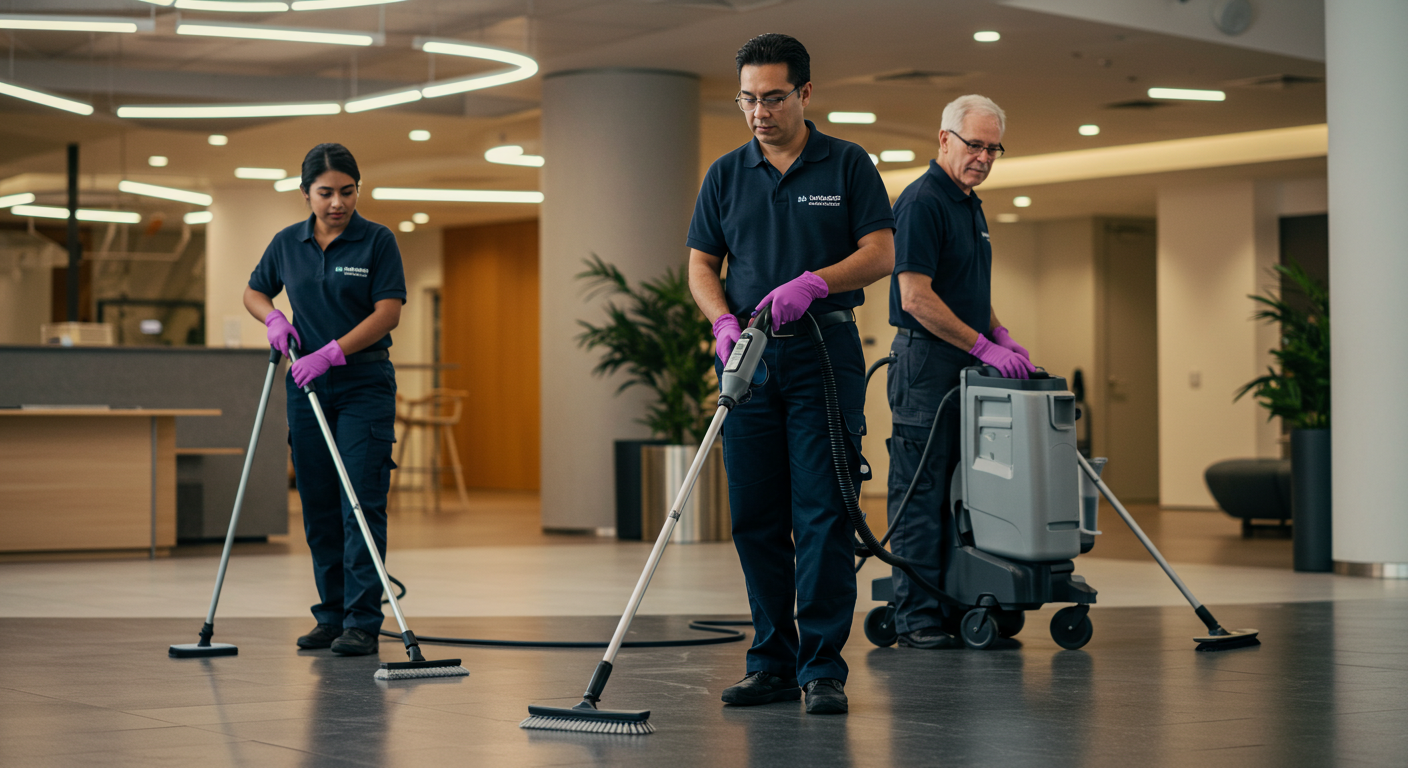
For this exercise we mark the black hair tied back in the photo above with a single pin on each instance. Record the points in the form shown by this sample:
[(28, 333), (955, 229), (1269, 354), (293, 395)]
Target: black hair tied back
[(328, 157)]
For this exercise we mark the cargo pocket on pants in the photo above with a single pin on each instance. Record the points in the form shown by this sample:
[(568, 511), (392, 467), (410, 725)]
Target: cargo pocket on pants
[(379, 464), (855, 430)]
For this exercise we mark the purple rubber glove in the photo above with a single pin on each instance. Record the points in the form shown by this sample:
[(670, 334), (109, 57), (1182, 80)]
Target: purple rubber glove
[(310, 367), (279, 330), (1010, 364), (791, 299), (727, 332), (1003, 339)]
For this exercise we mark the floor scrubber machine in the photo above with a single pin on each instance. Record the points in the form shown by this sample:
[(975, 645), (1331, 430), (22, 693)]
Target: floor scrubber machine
[(1015, 520)]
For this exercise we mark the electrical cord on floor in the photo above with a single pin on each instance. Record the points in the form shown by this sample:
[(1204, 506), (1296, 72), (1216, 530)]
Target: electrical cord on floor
[(701, 625)]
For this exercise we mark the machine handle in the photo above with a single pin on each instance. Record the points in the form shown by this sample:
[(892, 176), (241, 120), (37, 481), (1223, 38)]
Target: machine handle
[(762, 318), (293, 358)]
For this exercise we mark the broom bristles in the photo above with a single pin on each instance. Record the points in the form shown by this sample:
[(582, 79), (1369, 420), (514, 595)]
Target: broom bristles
[(586, 725), (413, 673)]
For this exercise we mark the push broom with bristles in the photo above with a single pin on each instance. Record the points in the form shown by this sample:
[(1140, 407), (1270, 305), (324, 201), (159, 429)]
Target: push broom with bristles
[(734, 387), (417, 666)]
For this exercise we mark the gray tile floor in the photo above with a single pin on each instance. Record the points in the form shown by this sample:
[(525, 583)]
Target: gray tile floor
[(1328, 687)]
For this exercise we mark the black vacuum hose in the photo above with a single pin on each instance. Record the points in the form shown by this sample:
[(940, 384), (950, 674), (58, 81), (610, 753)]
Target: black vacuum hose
[(841, 462)]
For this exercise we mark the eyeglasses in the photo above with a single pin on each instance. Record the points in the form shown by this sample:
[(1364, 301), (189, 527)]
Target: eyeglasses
[(750, 103), (976, 148)]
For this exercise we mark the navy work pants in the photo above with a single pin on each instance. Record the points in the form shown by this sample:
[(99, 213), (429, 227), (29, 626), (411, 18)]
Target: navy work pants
[(923, 372), (359, 403), (789, 522)]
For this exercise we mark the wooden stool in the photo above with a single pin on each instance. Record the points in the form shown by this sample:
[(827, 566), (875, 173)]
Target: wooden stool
[(438, 411)]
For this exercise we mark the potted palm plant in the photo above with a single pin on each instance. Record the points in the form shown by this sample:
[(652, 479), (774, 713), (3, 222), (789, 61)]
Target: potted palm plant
[(656, 337), (1299, 393)]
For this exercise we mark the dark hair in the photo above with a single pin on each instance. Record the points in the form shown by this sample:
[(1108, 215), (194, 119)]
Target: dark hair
[(328, 157), (773, 48)]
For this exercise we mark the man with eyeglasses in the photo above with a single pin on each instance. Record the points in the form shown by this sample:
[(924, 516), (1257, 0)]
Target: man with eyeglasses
[(941, 305), (804, 223)]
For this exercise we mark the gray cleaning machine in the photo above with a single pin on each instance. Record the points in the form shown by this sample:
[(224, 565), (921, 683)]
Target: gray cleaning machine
[(1020, 511)]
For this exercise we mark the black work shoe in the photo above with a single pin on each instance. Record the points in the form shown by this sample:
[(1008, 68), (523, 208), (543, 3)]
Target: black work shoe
[(929, 638), (827, 696), (321, 637), (762, 688), (355, 642)]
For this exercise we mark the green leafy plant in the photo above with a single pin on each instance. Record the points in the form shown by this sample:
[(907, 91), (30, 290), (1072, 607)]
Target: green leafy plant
[(1300, 391), (661, 340)]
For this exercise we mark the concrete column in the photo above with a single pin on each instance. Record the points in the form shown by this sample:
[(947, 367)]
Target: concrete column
[(1367, 103), (620, 178), (246, 218)]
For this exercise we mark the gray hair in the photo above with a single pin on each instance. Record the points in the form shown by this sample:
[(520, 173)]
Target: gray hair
[(958, 110)]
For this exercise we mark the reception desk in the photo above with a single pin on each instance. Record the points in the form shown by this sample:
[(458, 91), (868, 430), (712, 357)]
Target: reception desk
[(88, 479)]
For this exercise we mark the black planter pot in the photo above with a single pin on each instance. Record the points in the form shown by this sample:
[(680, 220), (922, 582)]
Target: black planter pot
[(1310, 499), (628, 487)]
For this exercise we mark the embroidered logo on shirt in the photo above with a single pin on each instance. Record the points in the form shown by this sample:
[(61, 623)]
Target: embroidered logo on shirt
[(830, 201), (353, 271), (987, 237)]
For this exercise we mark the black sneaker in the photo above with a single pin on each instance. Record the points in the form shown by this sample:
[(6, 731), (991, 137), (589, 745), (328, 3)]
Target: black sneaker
[(929, 638), (355, 642), (321, 637), (827, 696), (762, 688)]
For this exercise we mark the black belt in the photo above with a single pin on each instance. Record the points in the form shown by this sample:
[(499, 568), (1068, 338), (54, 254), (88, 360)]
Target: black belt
[(374, 356), (917, 334), (802, 326)]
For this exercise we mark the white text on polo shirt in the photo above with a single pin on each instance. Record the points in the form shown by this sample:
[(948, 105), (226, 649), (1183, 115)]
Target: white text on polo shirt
[(833, 201), (353, 271)]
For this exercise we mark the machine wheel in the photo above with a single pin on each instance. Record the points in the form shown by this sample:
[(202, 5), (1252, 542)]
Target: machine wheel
[(880, 626), (1071, 628), (979, 629), (1009, 623)]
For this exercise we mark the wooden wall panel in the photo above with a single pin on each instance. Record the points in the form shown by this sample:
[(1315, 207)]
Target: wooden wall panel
[(489, 319)]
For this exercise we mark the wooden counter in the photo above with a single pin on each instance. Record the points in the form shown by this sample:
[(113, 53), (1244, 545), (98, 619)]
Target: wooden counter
[(89, 479)]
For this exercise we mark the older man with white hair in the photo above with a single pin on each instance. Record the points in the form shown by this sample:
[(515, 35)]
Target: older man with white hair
[(941, 306)]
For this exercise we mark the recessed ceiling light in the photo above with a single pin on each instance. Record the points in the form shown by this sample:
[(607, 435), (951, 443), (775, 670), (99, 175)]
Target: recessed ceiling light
[(157, 161), (183, 111), (897, 156), (874, 158), (198, 217), (165, 193), (857, 118), (217, 139), (272, 174), (46, 99), (289, 184), (456, 195), (282, 34), (420, 135), (19, 199), (420, 218), (1187, 94), (231, 6), (987, 36), (1022, 201), (1089, 130), (84, 214), (379, 100), (58, 23), (1007, 218), (406, 226), (513, 155)]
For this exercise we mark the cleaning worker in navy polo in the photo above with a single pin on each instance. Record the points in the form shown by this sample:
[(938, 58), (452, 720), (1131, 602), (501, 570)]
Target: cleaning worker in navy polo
[(941, 306), (804, 223), (345, 282)]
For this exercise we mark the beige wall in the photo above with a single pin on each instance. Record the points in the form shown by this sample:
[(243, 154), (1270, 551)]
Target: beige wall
[(421, 258), (246, 218)]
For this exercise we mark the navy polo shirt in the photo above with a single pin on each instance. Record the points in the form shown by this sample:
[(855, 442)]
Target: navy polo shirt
[(942, 233), (772, 227), (333, 290)]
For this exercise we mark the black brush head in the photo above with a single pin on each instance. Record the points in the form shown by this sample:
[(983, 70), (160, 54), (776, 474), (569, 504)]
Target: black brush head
[(197, 651), (1235, 638)]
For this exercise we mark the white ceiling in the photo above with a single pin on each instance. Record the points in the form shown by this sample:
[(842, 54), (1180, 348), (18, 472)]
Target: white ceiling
[(902, 59)]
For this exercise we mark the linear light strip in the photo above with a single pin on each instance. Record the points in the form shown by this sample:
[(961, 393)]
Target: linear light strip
[(282, 34), (324, 5), (84, 214), (513, 155), (1186, 94), (76, 23), (289, 184), (165, 193), (46, 99), (456, 195), (379, 100), (227, 110), (19, 199), (232, 6), (525, 66), (198, 217)]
